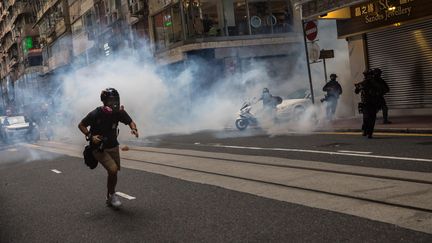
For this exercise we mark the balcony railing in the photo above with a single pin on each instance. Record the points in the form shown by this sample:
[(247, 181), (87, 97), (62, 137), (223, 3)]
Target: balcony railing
[(45, 7)]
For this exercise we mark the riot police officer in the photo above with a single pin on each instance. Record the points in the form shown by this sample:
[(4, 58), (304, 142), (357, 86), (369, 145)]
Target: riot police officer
[(334, 90), (370, 91), (385, 89)]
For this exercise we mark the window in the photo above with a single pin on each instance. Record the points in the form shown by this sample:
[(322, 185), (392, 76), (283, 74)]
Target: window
[(168, 27)]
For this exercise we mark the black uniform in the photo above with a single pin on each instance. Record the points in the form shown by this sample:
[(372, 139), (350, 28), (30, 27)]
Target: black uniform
[(385, 89), (334, 90), (371, 93)]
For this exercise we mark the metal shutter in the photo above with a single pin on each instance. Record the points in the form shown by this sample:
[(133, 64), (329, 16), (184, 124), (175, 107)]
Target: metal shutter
[(405, 56)]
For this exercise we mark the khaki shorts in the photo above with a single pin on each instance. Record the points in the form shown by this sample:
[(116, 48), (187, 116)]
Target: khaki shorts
[(109, 158)]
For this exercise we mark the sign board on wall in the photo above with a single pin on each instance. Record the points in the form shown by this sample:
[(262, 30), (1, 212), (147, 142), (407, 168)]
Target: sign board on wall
[(380, 13), (315, 8)]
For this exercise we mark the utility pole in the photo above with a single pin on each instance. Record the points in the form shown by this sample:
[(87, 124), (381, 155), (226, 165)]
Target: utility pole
[(308, 64)]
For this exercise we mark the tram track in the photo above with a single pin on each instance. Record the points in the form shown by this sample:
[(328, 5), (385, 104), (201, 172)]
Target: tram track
[(273, 183)]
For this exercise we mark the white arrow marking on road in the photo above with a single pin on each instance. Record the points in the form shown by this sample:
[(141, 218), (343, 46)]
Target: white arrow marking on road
[(56, 171), (124, 195), (324, 152), (354, 152)]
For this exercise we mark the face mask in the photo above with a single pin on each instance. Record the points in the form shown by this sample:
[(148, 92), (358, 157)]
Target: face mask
[(113, 104), (107, 110)]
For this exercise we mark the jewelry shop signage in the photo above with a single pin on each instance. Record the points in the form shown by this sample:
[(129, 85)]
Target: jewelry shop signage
[(380, 13)]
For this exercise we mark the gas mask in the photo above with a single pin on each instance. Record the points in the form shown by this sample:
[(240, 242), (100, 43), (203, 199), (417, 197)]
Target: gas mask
[(111, 104)]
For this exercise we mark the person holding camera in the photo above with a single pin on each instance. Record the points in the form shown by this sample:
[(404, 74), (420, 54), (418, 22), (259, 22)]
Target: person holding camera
[(103, 122), (334, 90)]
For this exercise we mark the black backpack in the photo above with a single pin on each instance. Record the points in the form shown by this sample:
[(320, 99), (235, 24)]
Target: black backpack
[(89, 159)]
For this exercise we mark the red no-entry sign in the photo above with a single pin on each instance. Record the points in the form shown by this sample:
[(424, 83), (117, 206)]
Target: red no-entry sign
[(311, 30)]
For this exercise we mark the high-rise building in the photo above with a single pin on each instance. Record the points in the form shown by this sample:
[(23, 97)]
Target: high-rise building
[(21, 53)]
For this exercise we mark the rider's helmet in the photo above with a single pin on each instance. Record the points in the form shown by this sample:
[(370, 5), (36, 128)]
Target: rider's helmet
[(111, 98), (266, 90), (333, 75)]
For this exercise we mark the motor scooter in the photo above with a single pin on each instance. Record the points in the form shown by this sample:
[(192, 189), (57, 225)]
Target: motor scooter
[(246, 118)]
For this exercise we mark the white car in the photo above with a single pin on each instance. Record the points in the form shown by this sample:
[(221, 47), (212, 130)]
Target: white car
[(17, 128), (295, 106)]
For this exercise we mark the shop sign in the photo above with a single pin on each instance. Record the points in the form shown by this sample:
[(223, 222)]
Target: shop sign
[(314, 8), (381, 13), (383, 10)]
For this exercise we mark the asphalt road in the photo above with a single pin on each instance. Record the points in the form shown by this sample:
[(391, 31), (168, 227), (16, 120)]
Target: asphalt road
[(40, 205), (388, 148)]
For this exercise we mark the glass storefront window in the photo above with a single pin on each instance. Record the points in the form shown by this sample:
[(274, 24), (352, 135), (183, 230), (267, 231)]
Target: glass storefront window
[(167, 27), (211, 18), (281, 11)]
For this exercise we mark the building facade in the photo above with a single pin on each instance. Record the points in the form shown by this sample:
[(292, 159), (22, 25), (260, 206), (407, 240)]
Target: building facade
[(393, 35), (227, 35), (21, 53)]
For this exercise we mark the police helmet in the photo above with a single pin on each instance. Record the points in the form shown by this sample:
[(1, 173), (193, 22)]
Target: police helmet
[(377, 71)]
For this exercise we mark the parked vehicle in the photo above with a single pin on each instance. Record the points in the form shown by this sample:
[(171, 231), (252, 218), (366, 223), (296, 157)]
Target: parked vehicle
[(18, 128), (293, 108), (246, 118)]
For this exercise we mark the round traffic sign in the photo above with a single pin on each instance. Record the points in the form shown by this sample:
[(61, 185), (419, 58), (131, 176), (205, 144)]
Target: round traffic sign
[(311, 30)]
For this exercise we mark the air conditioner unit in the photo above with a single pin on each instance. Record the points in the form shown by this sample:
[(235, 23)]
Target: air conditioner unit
[(90, 35), (109, 19)]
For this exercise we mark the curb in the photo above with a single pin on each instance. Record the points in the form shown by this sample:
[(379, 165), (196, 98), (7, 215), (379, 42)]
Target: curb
[(385, 130)]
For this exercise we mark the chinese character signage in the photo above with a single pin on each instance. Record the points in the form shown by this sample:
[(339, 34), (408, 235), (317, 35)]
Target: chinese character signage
[(315, 8), (381, 13)]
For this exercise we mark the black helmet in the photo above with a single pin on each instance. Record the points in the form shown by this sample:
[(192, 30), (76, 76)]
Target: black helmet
[(266, 90), (333, 75), (110, 97), (377, 71)]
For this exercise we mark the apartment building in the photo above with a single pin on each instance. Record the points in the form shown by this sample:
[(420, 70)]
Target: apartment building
[(20, 50)]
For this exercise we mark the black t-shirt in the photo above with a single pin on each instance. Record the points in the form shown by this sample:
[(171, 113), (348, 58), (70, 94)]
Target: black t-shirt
[(106, 125)]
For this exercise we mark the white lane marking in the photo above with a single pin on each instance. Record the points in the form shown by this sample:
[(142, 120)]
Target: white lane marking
[(56, 171), (325, 152), (12, 150), (124, 195), (354, 152)]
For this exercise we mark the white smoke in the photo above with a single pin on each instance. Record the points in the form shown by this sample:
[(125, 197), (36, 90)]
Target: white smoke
[(163, 101)]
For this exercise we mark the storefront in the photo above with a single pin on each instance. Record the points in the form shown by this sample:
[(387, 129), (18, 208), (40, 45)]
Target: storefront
[(395, 36), (179, 20)]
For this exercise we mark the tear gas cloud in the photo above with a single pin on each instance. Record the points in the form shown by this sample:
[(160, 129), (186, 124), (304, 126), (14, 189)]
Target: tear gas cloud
[(161, 100)]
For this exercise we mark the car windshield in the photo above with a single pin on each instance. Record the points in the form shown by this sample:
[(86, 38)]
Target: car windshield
[(14, 120), (299, 94)]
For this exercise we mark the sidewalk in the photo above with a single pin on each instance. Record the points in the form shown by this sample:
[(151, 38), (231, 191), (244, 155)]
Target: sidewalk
[(406, 124)]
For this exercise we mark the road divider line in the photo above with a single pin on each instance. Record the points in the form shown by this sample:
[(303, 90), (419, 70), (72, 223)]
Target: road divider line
[(124, 195), (324, 152), (56, 171), (354, 152)]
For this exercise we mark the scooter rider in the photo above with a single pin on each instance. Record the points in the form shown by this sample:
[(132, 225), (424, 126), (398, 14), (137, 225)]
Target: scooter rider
[(103, 122)]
